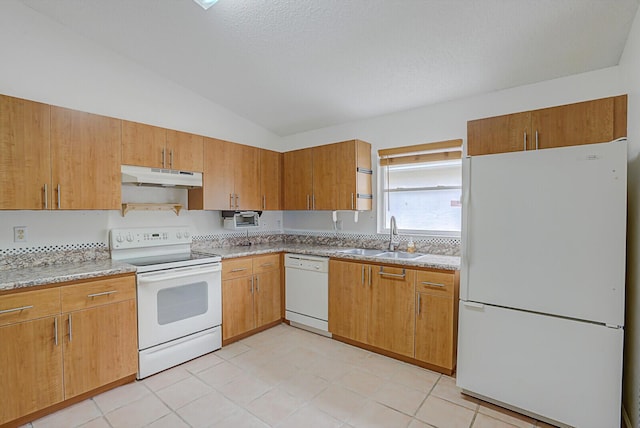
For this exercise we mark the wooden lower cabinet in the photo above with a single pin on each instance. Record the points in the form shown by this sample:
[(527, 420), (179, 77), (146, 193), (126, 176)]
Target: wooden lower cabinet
[(251, 295), (406, 313), (30, 367), (49, 354), (99, 346)]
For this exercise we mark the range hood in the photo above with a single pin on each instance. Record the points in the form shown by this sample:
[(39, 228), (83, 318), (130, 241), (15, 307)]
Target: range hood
[(159, 177)]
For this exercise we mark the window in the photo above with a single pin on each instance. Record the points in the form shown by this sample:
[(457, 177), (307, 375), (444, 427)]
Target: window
[(421, 186)]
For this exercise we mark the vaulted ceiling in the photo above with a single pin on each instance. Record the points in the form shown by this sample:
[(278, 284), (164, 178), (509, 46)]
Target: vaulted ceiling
[(296, 65)]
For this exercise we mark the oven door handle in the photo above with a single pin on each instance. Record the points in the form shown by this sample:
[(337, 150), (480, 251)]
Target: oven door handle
[(177, 273)]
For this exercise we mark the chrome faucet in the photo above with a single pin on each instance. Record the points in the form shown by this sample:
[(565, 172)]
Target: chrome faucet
[(393, 232)]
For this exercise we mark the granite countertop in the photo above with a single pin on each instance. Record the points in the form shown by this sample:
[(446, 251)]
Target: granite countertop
[(64, 272), (433, 261), (61, 272)]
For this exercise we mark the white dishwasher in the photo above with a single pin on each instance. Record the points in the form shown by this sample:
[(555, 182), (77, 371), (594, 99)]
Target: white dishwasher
[(307, 292)]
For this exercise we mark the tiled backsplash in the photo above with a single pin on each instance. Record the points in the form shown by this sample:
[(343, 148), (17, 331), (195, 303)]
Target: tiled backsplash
[(15, 258)]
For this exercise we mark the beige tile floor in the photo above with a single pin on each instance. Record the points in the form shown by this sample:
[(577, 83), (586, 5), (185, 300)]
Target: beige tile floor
[(285, 377)]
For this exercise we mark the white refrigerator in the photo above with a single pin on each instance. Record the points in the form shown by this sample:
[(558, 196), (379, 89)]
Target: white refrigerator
[(543, 282)]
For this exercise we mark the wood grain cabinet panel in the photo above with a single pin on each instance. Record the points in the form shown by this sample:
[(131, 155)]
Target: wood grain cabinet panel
[(143, 145), (298, 179), (246, 179), (29, 305), (30, 367), (251, 295), (349, 299), (85, 160), (271, 164), (184, 151), (434, 329), (25, 169), (100, 346), (588, 122)]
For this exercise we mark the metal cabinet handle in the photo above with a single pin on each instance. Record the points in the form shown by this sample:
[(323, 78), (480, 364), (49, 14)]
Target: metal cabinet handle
[(266, 264), (238, 270), (171, 159), (264, 202), (352, 200), (55, 328), (70, 328), (251, 285), (536, 139), (313, 201), (257, 284), (434, 284), (237, 200), (419, 306), (104, 293), (395, 275), (308, 204), (230, 200), (525, 141), (22, 308), (46, 197), (362, 276), (369, 276), (164, 161), (59, 197)]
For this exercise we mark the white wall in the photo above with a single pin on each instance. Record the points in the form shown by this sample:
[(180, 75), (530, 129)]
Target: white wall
[(630, 69), (43, 61), (444, 121)]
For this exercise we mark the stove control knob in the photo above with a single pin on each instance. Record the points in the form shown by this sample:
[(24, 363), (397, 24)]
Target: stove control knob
[(130, 238), (186, 234), (119, 238), (178, 235)]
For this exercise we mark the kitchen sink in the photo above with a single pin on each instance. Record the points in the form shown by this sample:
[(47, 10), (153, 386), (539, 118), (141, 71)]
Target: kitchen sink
[(399, 255), (362, 251)]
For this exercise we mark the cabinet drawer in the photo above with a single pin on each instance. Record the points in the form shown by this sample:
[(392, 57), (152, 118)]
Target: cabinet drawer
[(435, 282), (236, 268), (29, 305), (266, 263), (96, 293)]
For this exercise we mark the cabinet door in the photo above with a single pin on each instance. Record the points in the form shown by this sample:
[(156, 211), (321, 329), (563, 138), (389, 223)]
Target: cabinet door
[(434, 329), (353, 162), (298, 179), (325, 177), (349, 299), (100, 346), (271, 180), (237, 306), (30, 367), (267, 297), (25, 170), (217, 188), (574, 124), (143, 145), (246, 167), (500, 134), (184, 151), (85, 160), (392, 324)]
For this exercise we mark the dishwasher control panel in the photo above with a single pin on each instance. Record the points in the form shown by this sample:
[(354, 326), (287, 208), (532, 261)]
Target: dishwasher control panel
[(304, 262)]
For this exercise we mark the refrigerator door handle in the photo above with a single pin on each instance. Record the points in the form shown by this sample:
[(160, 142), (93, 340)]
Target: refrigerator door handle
[(473, 305)]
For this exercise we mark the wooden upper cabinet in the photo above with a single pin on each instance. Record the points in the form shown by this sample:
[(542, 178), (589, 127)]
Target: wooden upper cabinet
[(85, 160), (25, 171), (588, 122), (501, 134), (271, 179), (575, 124), (143, 145), (231, 177), (329, 177), (184, 151), (354, 188), (325, 177), (298, 179), (246, 182)]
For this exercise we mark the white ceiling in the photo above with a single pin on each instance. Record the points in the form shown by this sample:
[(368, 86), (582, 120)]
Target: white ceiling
[(296, 65)]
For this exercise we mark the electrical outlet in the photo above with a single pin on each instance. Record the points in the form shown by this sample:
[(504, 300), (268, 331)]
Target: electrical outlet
[(20, 234)]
